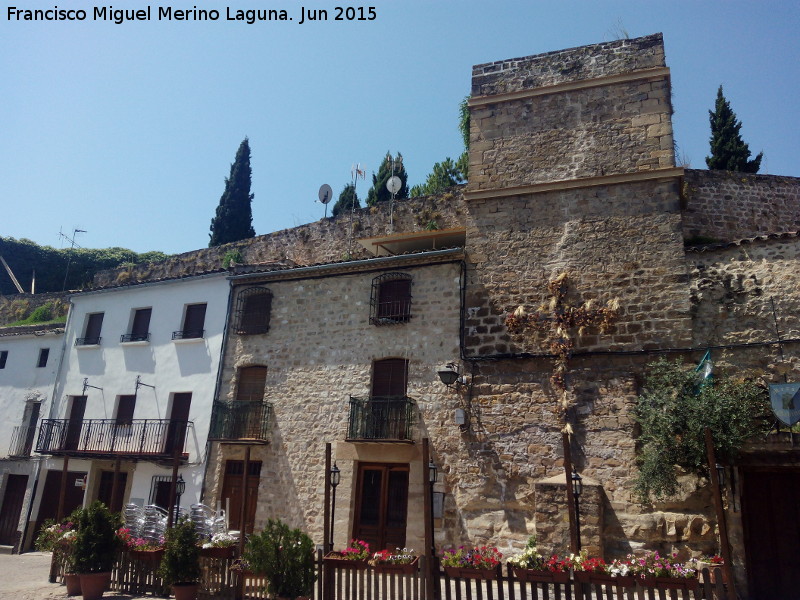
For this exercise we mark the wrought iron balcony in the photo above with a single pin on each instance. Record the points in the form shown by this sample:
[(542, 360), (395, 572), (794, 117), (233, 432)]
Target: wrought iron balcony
[(134, 337), (22, 440), (186, 334), (240, 420), (93, 438), (88, 341), (381, 418)]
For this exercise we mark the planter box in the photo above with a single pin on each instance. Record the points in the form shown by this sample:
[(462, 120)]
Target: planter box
[(400, 569), (463, 573), (592, 578), (218, 552), (671, 583), (539, 576), (73, 583), (343, 563), (151, 556)]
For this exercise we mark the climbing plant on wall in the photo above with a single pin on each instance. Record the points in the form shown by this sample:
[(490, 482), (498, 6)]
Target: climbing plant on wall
[(560, 324)]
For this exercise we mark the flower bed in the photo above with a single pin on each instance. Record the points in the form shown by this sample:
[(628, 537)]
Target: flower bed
[(481, 562), (403, 561)]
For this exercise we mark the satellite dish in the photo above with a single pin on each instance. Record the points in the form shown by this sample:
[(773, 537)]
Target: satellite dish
[(394, 184), (325, 193)]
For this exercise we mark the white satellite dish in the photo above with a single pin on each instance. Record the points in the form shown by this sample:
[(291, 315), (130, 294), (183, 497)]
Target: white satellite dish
[(325, 193), (394, 184)]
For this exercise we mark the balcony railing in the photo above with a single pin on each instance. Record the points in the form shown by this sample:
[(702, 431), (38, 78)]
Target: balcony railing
[(88, 341), (22, 440), (240, 420), (134, 337), (186, 334), (139, 438), (381, 418)]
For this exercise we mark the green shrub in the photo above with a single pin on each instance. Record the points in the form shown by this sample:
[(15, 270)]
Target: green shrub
[(231, 256), (286, 557), (673, 411), (96, 544), (181, 562)]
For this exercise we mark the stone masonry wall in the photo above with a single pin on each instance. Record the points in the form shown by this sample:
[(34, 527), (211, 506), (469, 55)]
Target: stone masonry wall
[(723, 206), (615, 128)]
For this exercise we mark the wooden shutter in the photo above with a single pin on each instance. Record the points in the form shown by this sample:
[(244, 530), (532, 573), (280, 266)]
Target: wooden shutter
[(195, 320), (251, 384), (141, 324), (390, 377), (94, 325), (125, 408)]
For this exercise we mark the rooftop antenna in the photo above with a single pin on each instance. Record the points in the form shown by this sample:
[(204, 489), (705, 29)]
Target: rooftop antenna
[(356, 171), (325, 194), (393, 184), (71, 248)]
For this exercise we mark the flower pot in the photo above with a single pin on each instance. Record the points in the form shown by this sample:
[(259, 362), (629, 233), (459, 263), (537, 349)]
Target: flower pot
[(591, 577), (541, 576), (344, 563), (464, 573), (73, 583), (217, 552), (94, 584), (151, 556), (400, 569), (185, 591), (671, 583)]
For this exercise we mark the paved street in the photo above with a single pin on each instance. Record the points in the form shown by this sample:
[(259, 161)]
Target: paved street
[(24, 577)]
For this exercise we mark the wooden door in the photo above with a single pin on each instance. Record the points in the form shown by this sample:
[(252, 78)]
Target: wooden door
[(771, 520), (11, 508), (75, 423), (178, 419), (382, 505), (52, 488), (107, 485), (231, 499)]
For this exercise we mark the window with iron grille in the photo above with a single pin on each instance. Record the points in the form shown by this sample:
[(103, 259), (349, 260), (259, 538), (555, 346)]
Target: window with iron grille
[(390, 301), (253, 310)]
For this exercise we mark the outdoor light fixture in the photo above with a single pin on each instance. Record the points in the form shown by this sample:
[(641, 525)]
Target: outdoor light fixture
[(449, 374), (577, 484), (334, 476), (432, 472), (461, 419), (180, 486), (720, 475), (577, 490)]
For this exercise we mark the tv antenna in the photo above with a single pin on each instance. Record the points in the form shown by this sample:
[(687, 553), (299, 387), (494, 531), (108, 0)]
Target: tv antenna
[(356, 171), (325, 194), (394, 184), (72, 246)]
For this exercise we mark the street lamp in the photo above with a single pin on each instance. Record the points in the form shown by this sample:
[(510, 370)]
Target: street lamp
[(577, 490), (720, 475), (333, 479), (432, 476), (180, 487)]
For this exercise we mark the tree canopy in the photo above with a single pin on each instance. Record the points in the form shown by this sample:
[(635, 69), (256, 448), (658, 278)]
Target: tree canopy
[(378, 192), (347, 201), (448, 173), (234, 217), (728, 150)]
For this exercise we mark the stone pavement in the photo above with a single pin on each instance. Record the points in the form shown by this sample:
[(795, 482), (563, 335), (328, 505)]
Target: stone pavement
[(24, 577)]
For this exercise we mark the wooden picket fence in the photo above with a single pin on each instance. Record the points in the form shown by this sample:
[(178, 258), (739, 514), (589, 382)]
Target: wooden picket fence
[(221, 582)]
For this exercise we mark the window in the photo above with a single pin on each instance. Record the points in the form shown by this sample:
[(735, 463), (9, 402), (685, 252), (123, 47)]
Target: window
[(3, 358), (253, 310), (194, 320), (389, 377), (140, 326), (251, 384), (390, 301), (125, 407), (44, 353), (91, 332)]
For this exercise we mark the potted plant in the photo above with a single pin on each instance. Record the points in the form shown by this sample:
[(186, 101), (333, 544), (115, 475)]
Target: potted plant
[(95, 549), (180, 565), (286, 557), (403, 561), (355, 556), (712, 563), (584, 567), (481, 562), (221, 545), (66, 548), (140, 548), (664, 572), (532, 566)]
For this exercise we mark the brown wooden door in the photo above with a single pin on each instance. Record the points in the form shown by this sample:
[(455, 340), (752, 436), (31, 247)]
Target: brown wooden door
[(52, 488), (178, 419), (771, 519), (75, 423), (107, 485), (232, 493), (382, 505), (12, 508)]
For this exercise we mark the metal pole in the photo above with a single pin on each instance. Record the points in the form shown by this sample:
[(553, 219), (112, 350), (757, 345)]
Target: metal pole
[(176, 459), (243, 511), (63, 492), (725, 548), (430, 550), (114, 484), (327, 529)]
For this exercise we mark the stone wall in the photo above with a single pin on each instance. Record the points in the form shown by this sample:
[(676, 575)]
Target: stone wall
[(539, 133), (722, 206), (19, 306)]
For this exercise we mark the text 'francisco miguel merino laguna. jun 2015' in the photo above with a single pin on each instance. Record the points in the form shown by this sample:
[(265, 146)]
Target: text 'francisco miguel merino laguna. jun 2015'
[(300, 15)]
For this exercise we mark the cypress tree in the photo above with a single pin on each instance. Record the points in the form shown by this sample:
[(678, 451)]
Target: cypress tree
[(728, 150), (348, 200), (234, 217), (378, 192)]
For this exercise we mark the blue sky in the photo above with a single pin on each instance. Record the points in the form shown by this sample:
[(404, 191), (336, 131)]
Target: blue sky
[(128, 131)]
